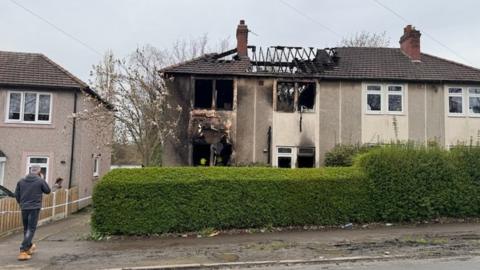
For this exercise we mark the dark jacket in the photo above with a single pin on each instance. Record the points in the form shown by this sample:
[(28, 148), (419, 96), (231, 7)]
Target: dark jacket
[(29, 192)]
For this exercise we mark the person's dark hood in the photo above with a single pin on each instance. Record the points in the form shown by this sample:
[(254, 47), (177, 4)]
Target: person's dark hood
[(32, 178)]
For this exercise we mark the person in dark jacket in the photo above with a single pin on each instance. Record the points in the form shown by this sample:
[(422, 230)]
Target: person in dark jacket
[(29, 192)]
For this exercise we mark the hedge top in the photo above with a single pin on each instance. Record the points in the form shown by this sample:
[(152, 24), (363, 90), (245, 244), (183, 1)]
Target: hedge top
[(188, 174)]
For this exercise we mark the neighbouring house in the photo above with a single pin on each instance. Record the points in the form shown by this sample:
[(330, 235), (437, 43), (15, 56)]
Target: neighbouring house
[(288, 106), (50, 118)]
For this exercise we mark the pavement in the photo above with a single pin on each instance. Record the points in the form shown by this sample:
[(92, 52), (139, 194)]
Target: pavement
[(67, 244)]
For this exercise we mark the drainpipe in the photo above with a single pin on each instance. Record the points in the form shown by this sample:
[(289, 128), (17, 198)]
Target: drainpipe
[(269, 145), (73, 138)]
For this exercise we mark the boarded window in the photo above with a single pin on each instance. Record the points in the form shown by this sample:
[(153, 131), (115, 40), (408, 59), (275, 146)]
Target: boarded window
[(224, 94), (285, 97), (306, 97), (203, 94)]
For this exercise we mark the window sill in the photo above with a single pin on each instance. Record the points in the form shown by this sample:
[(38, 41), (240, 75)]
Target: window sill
[(374, 113), (396, 113), (457, 115), (27, 125)]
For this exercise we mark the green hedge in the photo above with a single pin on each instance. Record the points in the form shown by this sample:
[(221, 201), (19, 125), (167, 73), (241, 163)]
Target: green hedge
[(413, 183), (160, 200), (343, 155), (389, 183)]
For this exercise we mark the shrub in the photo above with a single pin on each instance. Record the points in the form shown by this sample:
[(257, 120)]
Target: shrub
[(412, 183), (160, 200), (389, 183), (342, 155)]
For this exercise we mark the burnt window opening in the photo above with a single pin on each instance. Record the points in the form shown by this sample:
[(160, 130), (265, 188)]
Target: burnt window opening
[(217, 154), (201, 154), (284, 162), (299, 96), (224, 94), (222, 152), (306, 158), (285, 97), (306, 97), (203, 94)]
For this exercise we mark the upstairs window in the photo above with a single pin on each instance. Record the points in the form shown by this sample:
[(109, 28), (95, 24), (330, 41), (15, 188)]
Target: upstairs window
[(203, 94), (224, 95), (213, 94), (299, 96), (474, 101), (395, 98), (306, 97), (285, 97), (29, 107), (384, 98), (455, 100), (374, 98)]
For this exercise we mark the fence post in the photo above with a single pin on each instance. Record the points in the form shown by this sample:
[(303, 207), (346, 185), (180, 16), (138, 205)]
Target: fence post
[(66, 202), (54, 204)]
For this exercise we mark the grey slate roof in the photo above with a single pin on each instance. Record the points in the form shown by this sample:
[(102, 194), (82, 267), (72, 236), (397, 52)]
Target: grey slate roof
[(353, 63), (392, 63), (209, 64), (33, 69), (19, 69)]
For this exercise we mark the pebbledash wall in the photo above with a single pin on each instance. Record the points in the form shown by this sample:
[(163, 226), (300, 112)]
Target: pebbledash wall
[(19, 141), (340, 115)]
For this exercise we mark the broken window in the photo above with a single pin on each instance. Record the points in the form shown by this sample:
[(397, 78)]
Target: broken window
[(285, 97), (306, 157), (201, 154), (224, 94), (203, 94), (292, 95), (306, 97)]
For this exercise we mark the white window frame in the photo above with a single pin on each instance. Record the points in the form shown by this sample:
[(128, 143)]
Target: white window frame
[(3, 161), (461, 95), (291, 155), (394, 93), (96, 166), (42, 165), (374, 92), (22, 107), (469, 95), (384, 98)]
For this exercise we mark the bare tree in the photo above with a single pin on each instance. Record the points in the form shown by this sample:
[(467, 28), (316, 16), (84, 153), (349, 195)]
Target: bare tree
[(143, 115), (366, 39)]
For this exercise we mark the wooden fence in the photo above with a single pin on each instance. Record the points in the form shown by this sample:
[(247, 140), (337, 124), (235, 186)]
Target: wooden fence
[(56, 205)]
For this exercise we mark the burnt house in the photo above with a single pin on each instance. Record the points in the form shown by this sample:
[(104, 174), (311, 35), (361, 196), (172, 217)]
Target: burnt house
[(288, 106)]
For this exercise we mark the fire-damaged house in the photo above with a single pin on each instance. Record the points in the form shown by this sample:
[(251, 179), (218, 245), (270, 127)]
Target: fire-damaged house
[(288, 106)]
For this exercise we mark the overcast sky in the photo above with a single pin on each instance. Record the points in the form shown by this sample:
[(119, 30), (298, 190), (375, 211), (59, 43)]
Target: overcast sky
[(122, 25)]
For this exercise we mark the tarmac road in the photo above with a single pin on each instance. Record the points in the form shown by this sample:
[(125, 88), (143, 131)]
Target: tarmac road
[(466, 263), (65, 245)]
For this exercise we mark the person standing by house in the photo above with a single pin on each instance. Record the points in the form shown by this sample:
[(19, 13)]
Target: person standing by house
[(29, 193)]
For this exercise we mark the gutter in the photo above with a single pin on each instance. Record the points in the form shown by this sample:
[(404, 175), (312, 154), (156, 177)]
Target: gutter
[(75, 97)]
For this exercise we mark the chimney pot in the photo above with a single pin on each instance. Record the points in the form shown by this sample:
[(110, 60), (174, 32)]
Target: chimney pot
[(410, 42), (242, 39)]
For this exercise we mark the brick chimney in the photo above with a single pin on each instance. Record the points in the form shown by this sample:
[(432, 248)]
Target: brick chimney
[(410, 42), (242, 39)]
